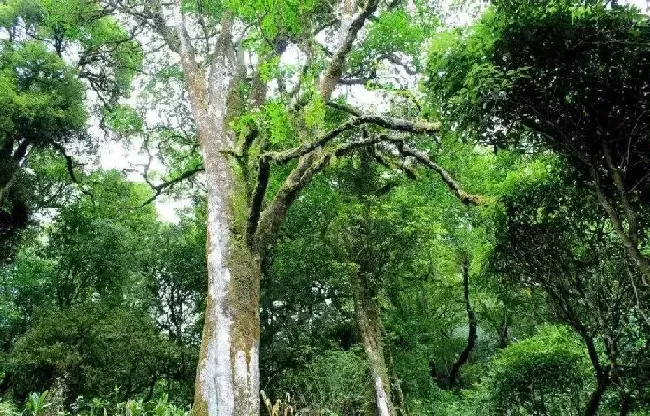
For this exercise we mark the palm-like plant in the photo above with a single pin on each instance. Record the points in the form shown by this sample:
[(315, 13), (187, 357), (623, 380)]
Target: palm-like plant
[(37, 404)]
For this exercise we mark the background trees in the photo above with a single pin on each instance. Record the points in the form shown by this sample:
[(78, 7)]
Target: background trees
[(474, 244)]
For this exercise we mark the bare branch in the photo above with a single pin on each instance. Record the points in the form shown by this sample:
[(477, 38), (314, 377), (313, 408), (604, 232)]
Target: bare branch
[(69, 163), (150, 16), (395, 60), (160, 188), (631, 247)]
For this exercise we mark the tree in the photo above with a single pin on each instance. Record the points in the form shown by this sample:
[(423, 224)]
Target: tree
[(244, 128), (557, 239), (48, 51), (577, 86)]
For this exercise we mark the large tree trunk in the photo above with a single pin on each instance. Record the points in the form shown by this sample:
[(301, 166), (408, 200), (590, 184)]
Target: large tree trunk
[(227, 377), (227, 380), (367, 312)]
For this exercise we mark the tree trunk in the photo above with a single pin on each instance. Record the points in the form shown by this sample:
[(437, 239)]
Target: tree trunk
[(227, 377), (367, 312), (471, 322), (596, 396), (626, 404), (504, 339), (227, 380)]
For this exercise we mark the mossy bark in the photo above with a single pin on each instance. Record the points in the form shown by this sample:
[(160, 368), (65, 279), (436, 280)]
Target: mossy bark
[(227, 380), (368, 321)]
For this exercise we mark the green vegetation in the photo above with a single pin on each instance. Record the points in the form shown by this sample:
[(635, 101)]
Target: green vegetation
[(375, 211)]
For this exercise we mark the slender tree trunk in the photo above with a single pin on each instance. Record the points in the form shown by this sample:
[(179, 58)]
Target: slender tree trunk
[(471, 321), (629, 237), (367, 312), (626, 404), (504, 338)]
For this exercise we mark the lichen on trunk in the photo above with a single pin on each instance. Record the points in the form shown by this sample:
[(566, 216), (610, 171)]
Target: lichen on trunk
[(227, 381), (368, 321)]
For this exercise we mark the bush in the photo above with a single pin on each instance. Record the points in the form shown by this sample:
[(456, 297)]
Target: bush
[(40, 404), (8, 409), (332, 384), (544, 374)]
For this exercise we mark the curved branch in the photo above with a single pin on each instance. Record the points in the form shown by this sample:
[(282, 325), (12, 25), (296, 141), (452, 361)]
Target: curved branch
[(69, 163), (272, 217), (389, 161), (471, 321), (423, 158), (387, 122)]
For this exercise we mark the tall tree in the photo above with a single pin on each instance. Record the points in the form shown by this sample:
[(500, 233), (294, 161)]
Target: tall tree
[(248, 111), (50, 52), (578, 86)]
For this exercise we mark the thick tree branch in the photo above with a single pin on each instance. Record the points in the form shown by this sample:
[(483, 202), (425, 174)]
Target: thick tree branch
[(151, 16), (274, 214), (350, 27), (224, 61), (263, 174), (345, 108), (390, 123)]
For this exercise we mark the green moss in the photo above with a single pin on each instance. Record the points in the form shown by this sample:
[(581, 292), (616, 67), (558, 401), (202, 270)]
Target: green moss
[(243, 294)]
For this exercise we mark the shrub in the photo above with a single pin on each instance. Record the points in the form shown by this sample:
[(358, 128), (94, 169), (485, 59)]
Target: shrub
[(544, 374), (332, 384)]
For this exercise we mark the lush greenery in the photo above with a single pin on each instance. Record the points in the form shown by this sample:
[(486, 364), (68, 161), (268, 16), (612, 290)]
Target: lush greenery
[(502, 268)]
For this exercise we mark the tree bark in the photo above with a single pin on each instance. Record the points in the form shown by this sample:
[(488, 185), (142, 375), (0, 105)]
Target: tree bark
[(367, 312), (227, 377)]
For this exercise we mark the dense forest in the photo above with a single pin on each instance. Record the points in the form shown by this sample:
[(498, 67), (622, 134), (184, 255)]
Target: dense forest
[(324, 207)]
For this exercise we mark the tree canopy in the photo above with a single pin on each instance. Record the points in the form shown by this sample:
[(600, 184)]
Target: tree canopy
[(356, 207)]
